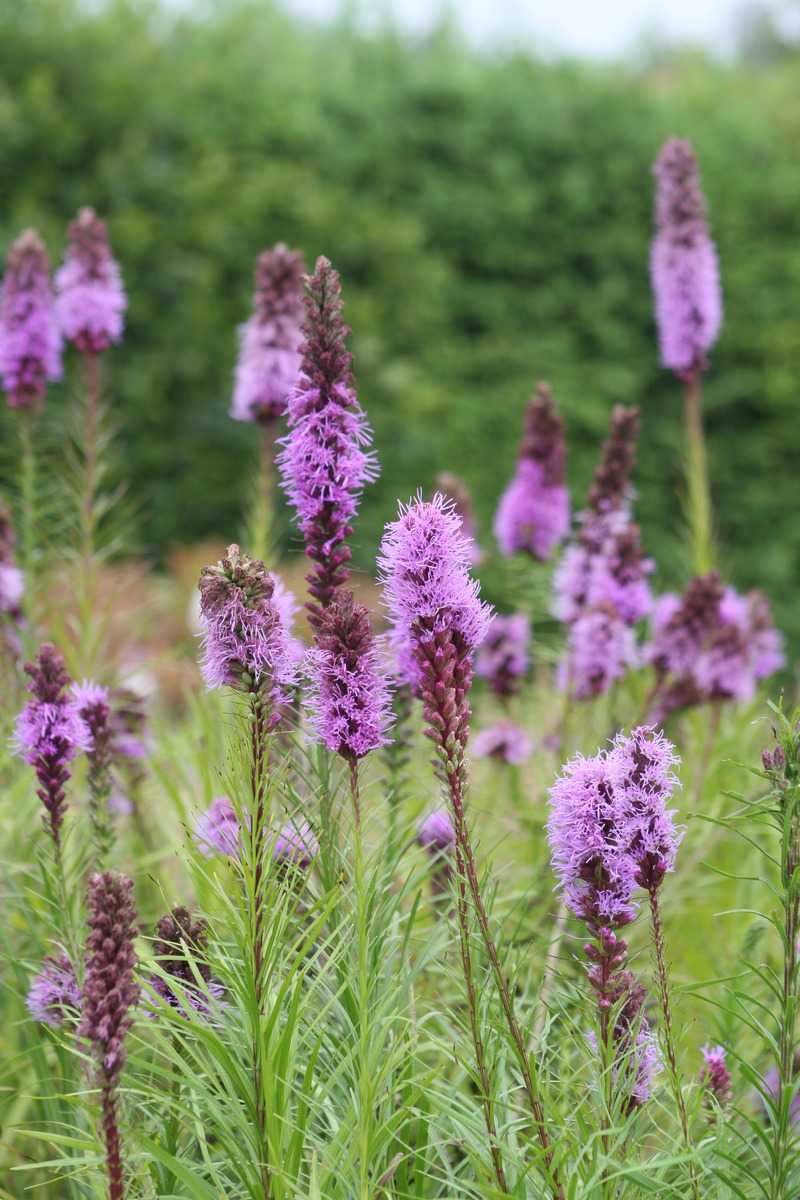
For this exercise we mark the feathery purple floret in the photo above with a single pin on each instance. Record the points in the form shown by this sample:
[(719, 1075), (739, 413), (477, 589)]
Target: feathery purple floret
[(533, 513), (50, 732), (504, 655), (503, 741), (601, 650), (245, 643), (110, 991), (349, 699), (30, 340), (609, 828), (711, 644), (54, 994), (217, 829), (683, 263), (269, 342), (90, 298), (324, 462), (714, 1073)]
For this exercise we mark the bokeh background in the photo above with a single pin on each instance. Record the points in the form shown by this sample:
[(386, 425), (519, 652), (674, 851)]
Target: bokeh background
[(486, 195)]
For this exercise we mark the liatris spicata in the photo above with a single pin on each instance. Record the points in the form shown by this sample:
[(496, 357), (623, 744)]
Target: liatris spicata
[(601, 587), (245, 643), (12, 582), (683, 263), (50, 732), (505, 742), (324, 462), (217, 829), (533, 513), (503, 658), (296, 846), (30, 340), (454, 489), (54, 995), (180, 949), (109, 995), (437, 837), (711, 644), (439, 618), (269, 341), (350, 700), (92, 702), (714, 1075), (90, 298)]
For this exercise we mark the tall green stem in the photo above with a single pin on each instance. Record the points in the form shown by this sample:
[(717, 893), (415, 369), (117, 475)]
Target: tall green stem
[(259, 757), (27, 488), (784, 1137), (698, 491), (365, 1103)]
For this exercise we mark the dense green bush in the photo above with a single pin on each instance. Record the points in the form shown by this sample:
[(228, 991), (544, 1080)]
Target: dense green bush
[(490, 217)]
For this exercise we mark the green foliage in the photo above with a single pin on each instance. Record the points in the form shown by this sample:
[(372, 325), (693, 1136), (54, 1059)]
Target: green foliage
[(490, 216)]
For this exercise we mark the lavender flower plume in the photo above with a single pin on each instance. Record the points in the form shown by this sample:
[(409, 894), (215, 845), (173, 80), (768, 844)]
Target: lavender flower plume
[(93, 705), (349, 699), (436, 611), (601, 649), (683, 263), (503, 658), (54, 995), (610, 489), (245, 643), (436, 833), (109, 995), (714, 1074), (324, 462), (50, 732), (454, 489), (296, 845), (217, 829), (269, 342), (180, 949), (641, 769), (505, 742), (90, 298), (30, 340), (533, 513)]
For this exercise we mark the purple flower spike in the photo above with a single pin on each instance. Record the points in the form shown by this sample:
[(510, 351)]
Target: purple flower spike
[(30, 340), (436, 833), (90, 298), (246, 645), (54, 995), (350, 699), (296, 845), (180, 948), (533, 514), (217, 829), (324, 462), (50, 732), (601, 650), (714, 1073), (683, 264), (12, 582), (504, 656), (505, 742), (269, 351)]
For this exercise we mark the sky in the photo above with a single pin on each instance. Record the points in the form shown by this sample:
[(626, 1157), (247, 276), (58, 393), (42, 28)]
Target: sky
[(594, 28)]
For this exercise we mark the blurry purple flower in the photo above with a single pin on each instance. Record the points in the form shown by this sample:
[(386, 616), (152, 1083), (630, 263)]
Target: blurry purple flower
[(611, 487), (683, 263), (601, 650), (269, 350), (296, 845), (436, 833), (50, 732), (349, 698), (533, 513), (217, 829), (54, 993), (30, 340), (12, 582), (109, 991), (120, 804), (180, 949), (245, 642), (455, 490), (92, 703), (714, 1073), (503, 741), (644, 1064), (504, 655), (772, 1086), (285, 602), (324, 462), (90, 298)]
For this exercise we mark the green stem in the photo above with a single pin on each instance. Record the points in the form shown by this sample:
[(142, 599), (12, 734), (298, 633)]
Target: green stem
[(365, 1103), (698, 491), (27, 488), (784, 1138)]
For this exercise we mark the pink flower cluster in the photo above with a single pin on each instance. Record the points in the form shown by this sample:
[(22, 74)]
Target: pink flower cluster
[(30, 339), (90, 298)]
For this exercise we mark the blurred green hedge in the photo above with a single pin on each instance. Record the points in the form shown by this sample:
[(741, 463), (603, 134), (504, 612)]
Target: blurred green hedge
[(490, 216)]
